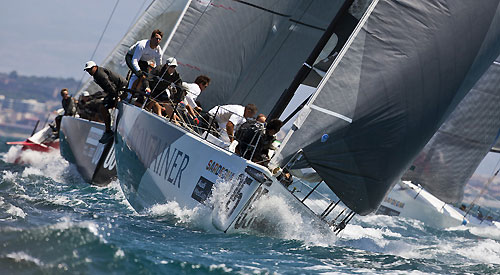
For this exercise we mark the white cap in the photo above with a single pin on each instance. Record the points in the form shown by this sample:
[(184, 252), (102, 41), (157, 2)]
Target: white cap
[(89, 65), (85, 93), (171, 61)]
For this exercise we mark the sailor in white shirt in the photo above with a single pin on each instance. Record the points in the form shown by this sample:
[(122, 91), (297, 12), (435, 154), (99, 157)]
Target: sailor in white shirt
[(230, 117), (144, 50), (193, 91)]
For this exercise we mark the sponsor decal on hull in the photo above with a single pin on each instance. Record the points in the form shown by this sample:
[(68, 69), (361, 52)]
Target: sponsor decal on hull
[(219, 170), (170, 165)]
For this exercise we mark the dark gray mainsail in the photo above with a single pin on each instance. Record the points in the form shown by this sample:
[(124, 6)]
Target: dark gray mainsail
[(404, 69), (161, 14), (251, 49), (447, 162)]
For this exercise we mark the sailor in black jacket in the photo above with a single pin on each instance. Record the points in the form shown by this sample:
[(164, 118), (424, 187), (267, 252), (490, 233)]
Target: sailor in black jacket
[(111, 83)]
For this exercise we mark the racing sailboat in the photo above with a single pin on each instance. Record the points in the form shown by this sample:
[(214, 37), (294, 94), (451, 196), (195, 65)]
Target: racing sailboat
[(43, 140), (397, 77)]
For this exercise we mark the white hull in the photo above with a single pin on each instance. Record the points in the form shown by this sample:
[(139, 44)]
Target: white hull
[(159, 162), (411, 201)]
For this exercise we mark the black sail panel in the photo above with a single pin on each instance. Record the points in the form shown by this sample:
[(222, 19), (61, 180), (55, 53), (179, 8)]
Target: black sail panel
[(447, 162), (389, 91), (251, 49)]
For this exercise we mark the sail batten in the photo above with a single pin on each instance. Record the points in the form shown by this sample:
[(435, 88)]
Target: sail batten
[(398, 79)]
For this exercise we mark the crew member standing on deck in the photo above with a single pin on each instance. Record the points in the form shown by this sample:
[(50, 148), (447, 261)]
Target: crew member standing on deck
[(230, 117), (111, 83), (143, 51)]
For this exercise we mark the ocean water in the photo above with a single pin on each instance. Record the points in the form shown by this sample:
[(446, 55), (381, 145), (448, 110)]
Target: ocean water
[(52, 222)]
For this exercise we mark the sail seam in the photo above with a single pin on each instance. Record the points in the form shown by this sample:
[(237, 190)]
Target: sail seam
[(174, 30), (280, 14), (344, 49), (331, 113), (262, 8)]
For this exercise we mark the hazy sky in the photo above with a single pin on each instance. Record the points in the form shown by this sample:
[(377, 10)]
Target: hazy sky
[(56, 37)]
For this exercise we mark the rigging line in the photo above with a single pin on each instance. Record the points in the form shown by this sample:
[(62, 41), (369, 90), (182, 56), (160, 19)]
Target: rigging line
[(100, 39), (194, 25), (137, 15), (163, 50), (183, 42), (484, 189), (277, 51), (280, 14), (105, 28), (307, 25)]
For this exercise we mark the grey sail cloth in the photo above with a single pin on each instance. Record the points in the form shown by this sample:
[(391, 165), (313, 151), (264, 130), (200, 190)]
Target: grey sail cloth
[(390, 91), (447, 162), (251, 49), (161, 14)]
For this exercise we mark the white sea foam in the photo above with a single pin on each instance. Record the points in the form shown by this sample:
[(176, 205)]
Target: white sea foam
[(23, 256), (119, 254), (491, 232), (8, 175), (220, 267), (485, 251), (16, 211), (66, 223), (198, 217), (49, 164), (11, 155), (290, 224)]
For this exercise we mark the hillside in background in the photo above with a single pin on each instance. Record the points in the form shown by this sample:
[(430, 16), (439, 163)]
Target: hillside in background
[(41, 89), (24, 100)]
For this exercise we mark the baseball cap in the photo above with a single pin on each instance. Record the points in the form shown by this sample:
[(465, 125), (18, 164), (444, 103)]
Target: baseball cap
[(89, 65), (171, 61)]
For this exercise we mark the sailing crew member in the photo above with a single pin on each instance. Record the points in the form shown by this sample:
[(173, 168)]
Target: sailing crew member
[(230, 117), (261, 118), (111, 83), (144, 50), (247, 140), (69, 105), (88, 106), (193, 91), (164, 81), (142, 84)]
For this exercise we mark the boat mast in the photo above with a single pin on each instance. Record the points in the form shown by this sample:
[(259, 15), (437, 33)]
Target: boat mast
[(287, 95)]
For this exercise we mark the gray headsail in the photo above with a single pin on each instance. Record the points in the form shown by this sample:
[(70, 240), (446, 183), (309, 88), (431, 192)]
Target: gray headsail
[(389, 90), (447, 162), (251, 49), (161, 14)]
